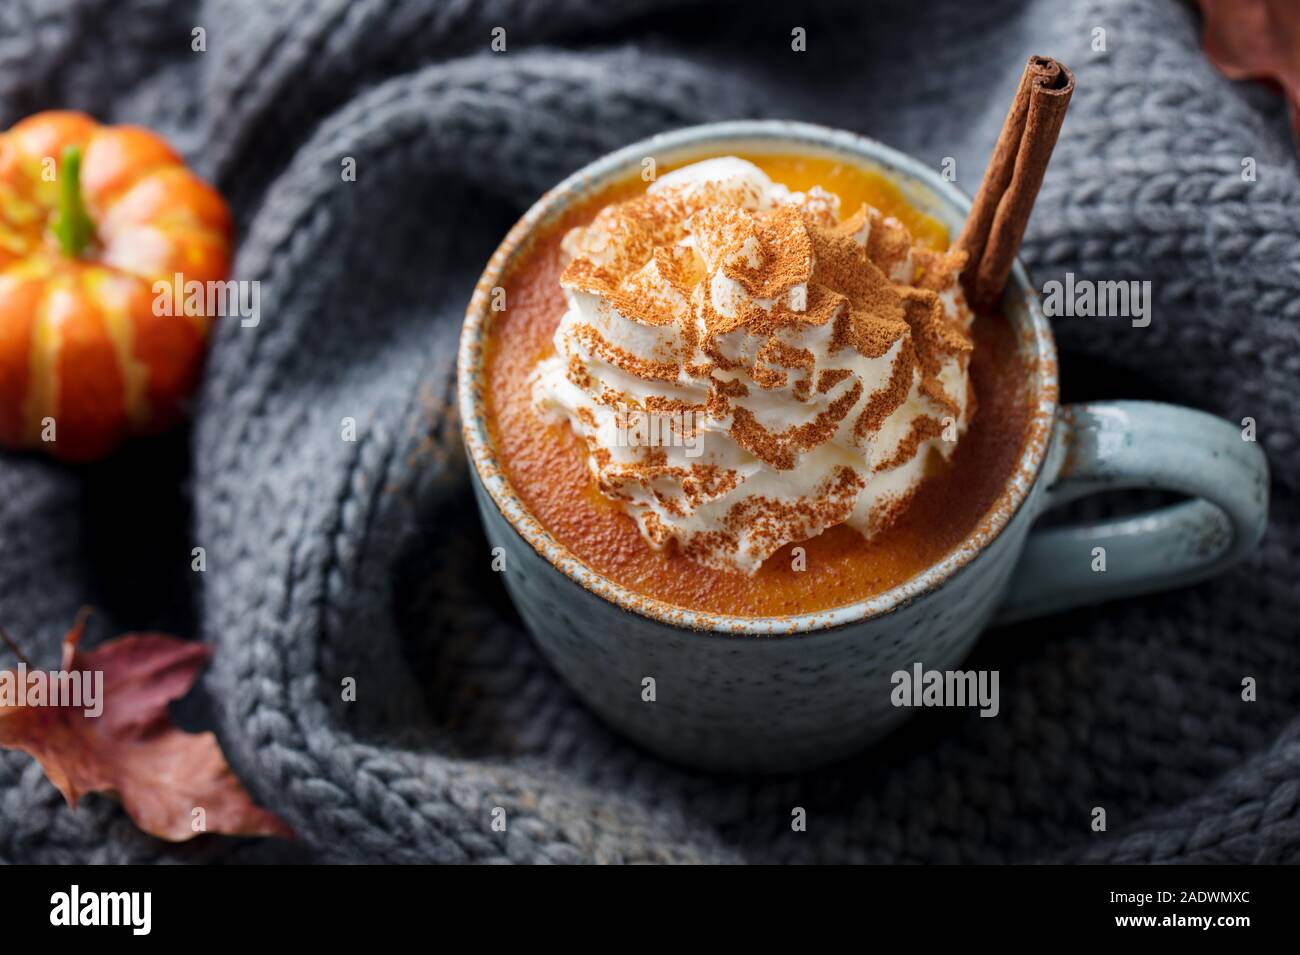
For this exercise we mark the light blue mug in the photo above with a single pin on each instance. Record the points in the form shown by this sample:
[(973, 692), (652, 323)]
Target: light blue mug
[(788, 693)]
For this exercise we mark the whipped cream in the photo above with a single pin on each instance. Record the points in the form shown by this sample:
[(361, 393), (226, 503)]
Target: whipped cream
[(748, 369)]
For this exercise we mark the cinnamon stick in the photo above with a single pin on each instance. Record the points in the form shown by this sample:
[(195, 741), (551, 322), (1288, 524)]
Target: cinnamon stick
[(1001, 209)]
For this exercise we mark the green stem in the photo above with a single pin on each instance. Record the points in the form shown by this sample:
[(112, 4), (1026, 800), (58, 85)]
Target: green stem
[(72, 225)]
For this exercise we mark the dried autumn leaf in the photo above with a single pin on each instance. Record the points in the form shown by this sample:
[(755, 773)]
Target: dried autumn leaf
[(1256, 40), (132, 749)]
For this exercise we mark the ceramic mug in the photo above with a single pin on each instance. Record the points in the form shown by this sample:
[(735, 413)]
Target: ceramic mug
[(788, 693)]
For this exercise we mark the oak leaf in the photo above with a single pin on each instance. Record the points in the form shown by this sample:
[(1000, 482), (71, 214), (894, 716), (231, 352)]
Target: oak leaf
[(1256, 40), (132, 750)]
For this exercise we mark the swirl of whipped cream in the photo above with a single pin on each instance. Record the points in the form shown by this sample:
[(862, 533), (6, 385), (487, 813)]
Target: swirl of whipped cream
[(747, 369)]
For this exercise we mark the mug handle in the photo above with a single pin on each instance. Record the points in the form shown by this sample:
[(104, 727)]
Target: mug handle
[(1113, 445)]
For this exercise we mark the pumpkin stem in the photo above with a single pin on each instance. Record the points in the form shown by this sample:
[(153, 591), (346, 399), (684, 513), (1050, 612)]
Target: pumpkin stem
[(72, 225)]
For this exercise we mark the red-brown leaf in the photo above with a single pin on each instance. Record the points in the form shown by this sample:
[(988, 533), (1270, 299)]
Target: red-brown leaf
[(132, 749), (1256, 40)]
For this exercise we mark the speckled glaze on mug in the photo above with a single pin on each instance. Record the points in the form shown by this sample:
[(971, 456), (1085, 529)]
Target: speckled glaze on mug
[(778, 694)]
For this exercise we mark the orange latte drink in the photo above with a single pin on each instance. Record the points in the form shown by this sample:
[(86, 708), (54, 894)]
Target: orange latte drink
[(752, 386)]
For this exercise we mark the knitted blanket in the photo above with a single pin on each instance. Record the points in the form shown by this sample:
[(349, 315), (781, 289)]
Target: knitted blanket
[(328, 559)]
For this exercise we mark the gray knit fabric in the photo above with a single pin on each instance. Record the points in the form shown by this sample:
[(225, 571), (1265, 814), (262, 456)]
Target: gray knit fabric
[(330, 559)]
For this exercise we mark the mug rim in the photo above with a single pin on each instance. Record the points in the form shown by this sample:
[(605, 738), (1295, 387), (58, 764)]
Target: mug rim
[(1032, 331)]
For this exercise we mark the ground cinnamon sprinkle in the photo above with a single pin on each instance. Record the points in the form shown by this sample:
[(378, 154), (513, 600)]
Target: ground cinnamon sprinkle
[(784, 250), (781, 450), (887, 400), (889, 245), (923, 428), (932, 389), (727, 290), (769, 521), (548, 465), (624, 360), (937, 271)]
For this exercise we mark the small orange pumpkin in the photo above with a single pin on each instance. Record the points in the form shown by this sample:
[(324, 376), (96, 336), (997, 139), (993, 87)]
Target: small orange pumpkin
[(92, 219)]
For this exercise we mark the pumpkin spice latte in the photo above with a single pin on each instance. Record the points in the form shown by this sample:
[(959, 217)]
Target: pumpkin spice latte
[(753, 387)]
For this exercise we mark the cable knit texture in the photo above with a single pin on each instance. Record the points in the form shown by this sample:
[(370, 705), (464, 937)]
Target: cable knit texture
[(329, 559)]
